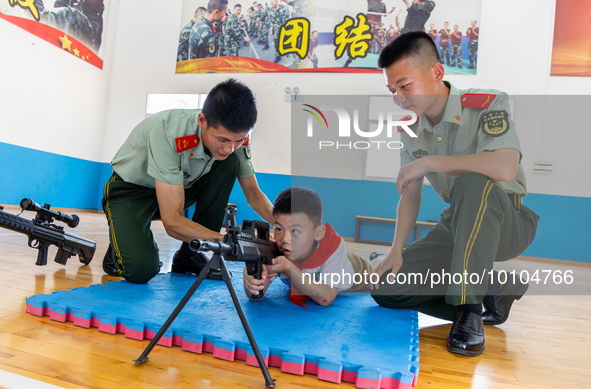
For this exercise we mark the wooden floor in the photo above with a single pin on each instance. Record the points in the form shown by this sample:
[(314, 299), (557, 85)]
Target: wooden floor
[(545, 344)]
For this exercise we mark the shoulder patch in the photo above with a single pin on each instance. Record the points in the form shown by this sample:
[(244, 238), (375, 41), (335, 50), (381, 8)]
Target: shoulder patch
[(186, 142), (246, 145), (495, 123), (477, 100)]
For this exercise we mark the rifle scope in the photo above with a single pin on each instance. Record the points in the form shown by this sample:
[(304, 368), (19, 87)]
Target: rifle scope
[(215, 247), (70, 220)]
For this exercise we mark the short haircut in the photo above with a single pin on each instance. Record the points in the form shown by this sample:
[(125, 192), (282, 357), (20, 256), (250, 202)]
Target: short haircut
[(200, 10), (298, 199), (232, 105), (237, 5), (411, 44), (216, 5)]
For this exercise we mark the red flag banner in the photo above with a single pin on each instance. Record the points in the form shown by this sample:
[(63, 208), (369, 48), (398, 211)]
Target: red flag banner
[(56, 38), (320, 36)]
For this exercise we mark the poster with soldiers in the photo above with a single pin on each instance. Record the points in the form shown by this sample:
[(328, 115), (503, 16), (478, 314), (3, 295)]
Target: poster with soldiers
[(74, 26), (320, 36), (571, 51)]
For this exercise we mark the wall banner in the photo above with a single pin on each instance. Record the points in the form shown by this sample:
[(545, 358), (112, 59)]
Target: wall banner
[(571, 51), (75, 26), (343, 36)]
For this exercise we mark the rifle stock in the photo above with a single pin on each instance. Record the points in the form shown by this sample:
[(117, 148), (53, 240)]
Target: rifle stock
[(42, 234)]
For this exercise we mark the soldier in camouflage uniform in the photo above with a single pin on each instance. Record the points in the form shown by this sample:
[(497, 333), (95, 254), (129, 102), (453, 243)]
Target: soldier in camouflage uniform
[(301, 9), (456, 47), (234, 32), (183, 51), (81, 19), (251, 21), (278, 16), (202, 41), (264, 25), (219, 37)]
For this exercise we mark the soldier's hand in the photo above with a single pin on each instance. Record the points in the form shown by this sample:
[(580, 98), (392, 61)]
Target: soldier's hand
[(247, 39), (411, 173), (392, 264)]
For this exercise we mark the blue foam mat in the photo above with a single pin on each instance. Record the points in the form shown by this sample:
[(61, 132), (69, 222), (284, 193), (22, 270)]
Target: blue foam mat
[(379, 346)]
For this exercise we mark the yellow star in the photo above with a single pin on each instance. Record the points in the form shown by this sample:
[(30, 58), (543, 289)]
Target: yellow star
[(77, 52), (66, 43)]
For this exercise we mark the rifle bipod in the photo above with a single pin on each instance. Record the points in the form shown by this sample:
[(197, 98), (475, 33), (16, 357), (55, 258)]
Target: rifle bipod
[(215, 262)]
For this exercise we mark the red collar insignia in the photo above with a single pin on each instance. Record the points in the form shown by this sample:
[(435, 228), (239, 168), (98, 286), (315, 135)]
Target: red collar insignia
[(186, 143), (477, 100)]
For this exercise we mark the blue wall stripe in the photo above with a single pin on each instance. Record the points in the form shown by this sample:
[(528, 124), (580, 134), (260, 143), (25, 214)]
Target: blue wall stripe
[(55, 179), (563, 229), (66, 182)]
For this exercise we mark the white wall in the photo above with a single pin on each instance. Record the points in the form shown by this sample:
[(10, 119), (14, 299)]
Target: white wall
[(52, 101)]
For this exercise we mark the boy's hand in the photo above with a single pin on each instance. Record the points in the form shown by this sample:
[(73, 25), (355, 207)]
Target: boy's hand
[(280, 265), (253, 285)]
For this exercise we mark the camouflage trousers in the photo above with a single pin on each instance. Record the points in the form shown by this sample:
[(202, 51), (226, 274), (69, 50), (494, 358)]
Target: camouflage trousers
[(276, 31), (456, 54), (264, 34), (232, 45), (473, 51), (444, 53)]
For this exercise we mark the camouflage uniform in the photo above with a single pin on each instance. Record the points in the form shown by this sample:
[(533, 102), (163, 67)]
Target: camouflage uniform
[(444, 38), (264, 24), (183, 52), (81, 19), (301, 9), (234, 35), (456, 49), (278, 17), (219, 38), (251, 24), (202, 42)]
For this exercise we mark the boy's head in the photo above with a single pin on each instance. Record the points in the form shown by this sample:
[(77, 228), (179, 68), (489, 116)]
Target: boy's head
[(297, 214)]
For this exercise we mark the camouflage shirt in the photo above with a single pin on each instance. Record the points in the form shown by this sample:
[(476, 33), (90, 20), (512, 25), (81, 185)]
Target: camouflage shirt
[(183, 52), (264, 17), (202, 42), (234, 29), (278, 16)]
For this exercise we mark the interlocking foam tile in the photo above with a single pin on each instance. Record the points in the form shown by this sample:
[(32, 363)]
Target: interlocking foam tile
[(353, 340)]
